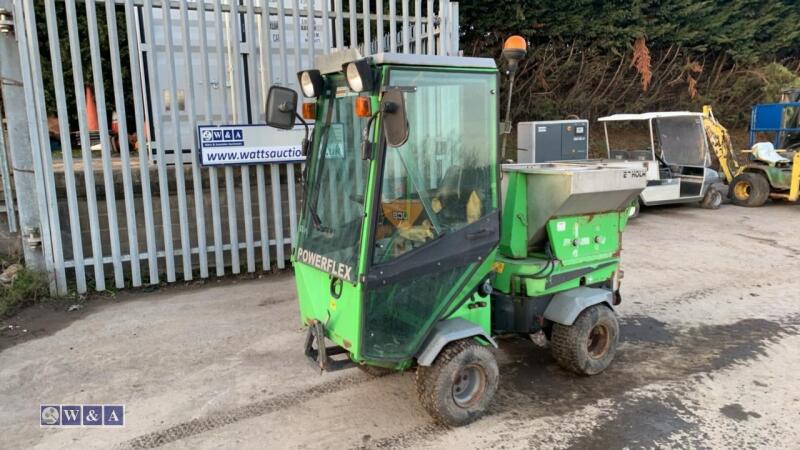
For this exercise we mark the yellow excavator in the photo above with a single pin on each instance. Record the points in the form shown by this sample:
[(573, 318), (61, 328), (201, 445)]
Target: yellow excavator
[(757, 174)]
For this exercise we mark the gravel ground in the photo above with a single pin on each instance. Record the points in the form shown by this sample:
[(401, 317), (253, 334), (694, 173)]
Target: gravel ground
[(708, 358)]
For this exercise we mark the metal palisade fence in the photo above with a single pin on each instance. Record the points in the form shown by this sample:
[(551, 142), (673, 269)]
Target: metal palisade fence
[(106, 175)]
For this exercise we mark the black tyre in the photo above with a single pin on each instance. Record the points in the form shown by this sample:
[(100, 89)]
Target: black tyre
[(589, 345), (712, 199), (749, 189), (460, 384), (375, 371)]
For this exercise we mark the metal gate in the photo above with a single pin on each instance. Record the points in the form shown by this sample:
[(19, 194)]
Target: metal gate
[(123, 200)]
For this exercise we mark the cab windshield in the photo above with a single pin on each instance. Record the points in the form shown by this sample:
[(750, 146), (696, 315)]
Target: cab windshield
[(681, 140), (333, 210)]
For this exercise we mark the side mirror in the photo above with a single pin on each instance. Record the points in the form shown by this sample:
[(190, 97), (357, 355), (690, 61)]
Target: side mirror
[(395, 123), (281, 107)]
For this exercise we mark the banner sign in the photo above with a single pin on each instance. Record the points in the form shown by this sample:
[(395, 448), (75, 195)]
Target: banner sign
[(249, 144)]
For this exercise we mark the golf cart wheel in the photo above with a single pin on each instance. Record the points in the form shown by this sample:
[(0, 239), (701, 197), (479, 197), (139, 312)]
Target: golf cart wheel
[(749, 189), (460, 384), (713, 199), (375, 371), (589, 345)]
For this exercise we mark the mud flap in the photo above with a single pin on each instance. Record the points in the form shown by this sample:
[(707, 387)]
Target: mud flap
[(320, 354)]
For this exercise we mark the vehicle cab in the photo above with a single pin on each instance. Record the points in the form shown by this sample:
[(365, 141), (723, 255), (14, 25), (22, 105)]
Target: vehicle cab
[(400, 203)]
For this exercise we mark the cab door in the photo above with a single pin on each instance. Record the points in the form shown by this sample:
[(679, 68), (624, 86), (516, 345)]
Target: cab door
[(435, 216)]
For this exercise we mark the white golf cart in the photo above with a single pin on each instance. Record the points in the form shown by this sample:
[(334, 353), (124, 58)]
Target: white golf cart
[(678, 161)]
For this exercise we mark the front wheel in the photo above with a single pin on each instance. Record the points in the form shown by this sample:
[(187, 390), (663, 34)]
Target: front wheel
[(460, 384), (589, 345), (713, 199)]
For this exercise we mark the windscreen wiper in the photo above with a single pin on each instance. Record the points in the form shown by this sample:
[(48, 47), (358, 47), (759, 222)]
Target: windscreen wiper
[(316, 222)]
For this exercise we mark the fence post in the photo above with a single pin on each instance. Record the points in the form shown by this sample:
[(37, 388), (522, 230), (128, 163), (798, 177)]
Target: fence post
[(19, 147)]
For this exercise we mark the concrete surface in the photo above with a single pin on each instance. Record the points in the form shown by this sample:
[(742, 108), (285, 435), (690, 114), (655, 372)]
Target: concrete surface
[(708, 359)]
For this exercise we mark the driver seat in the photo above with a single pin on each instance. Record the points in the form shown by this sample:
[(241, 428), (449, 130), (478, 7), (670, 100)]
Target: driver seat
[(459, 193), (765, 152)]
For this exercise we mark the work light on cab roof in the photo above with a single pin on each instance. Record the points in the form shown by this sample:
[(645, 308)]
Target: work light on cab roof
[(311, 83), (359, 75)]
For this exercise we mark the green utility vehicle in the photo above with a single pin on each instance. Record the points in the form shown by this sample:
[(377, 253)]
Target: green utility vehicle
[(416, 248)]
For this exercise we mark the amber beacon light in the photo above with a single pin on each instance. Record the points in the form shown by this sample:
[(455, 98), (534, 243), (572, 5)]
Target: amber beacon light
[(514, 49)]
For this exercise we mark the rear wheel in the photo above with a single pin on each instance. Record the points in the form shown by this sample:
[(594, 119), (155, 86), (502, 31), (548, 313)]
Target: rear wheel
[(750, 189), (460, 384), (713, 199), (589, 345)]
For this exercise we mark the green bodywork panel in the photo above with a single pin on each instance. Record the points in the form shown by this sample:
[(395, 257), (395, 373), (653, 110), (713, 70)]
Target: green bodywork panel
[(581, 239), (514, 225), (522, 276), (341, 316), (779, 178), (476, 308)]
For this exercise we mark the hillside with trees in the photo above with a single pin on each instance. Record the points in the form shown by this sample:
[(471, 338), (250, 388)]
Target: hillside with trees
[(591, 57)]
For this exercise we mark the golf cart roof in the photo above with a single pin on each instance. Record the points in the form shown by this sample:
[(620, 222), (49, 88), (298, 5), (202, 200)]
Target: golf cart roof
[(647, 116), (333, 62)]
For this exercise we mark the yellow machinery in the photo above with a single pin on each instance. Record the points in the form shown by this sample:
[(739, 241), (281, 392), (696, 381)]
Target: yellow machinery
[(757, 174)]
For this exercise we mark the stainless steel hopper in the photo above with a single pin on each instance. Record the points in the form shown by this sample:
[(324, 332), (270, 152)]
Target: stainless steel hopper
[(573, 189)]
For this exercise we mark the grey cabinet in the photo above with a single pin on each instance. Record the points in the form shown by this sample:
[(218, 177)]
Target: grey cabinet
[(554, 140)]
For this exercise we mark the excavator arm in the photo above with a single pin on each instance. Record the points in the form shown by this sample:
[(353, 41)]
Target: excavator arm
[(720, 142)]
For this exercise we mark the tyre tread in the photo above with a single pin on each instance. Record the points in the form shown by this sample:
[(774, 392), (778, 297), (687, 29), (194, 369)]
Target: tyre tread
[(427, 375), (759, 189), (710, 199), (428, 390), (562, 345), (566, 340)]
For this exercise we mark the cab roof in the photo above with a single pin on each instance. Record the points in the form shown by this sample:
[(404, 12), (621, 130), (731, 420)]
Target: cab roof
[(333, 62), (647, 116)]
